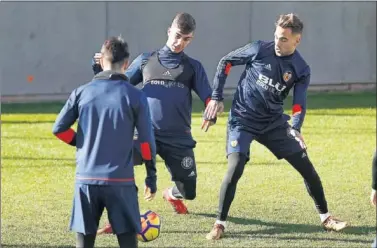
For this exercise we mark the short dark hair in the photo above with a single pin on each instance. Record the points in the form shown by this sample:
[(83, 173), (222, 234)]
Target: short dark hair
[(185, 22), (290, 21), (115, 50)]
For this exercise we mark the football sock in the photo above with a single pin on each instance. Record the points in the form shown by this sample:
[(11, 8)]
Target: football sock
[(236, 165), (311, 179), (221, 222), (324, 216), (174, 193), (127, 240)]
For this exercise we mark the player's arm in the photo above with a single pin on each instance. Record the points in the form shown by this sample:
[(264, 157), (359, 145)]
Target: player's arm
[(240, 56), (64, 121), (148, 145), (201, 84), (134, 71), (203, 89), (299, 101)]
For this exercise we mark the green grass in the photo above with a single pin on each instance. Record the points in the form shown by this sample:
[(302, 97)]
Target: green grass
[(271, 208)]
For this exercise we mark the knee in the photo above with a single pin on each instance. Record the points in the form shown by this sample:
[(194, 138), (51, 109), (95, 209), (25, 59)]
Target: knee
[(236, 165)]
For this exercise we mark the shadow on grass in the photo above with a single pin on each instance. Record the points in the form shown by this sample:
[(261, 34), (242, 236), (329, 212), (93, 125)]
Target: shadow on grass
[(28, 137), (26, 122), (340, 114), (66, 246), (59, 162), (324, 101), (285, 228), (250, 163), (307, 238), (326, 131), (33, 158), (273, 231)]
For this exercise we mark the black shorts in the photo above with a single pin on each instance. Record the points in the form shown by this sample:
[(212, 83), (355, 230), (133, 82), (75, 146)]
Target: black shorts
[(179, 161), (278, 140)]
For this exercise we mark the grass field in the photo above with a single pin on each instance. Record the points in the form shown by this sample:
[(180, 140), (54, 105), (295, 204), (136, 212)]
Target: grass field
[(271, 208)]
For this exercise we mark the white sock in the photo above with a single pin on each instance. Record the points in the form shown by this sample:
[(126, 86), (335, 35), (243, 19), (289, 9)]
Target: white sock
[(221, 222), (324, 216), (171, 194)]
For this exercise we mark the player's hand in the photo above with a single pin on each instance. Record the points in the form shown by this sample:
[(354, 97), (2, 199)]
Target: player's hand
[(148, 195), (150, 181), (213, 109), (373, 197), (206, 124), (97, 57), (298, 137)]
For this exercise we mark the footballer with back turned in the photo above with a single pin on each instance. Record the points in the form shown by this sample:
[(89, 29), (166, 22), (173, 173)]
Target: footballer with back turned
[(168, 76), (108, 110), (272, 69)]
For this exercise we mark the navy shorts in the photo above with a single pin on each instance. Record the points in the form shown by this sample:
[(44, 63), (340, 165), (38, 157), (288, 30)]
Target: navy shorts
[(180, 161), (121, 203), (278, 140)]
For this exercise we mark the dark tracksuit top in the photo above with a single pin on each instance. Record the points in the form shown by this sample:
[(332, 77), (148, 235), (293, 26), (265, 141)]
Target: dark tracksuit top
[(263, 86), (107, 109), (168, 79)]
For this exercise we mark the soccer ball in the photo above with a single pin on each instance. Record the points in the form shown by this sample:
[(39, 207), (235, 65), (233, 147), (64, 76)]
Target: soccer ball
[(150, 226)]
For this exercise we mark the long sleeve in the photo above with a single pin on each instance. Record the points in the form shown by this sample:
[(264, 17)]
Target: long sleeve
[(147, 141), (134, 73), (201, 84), (299, 102), (66, 118), (240, 56)]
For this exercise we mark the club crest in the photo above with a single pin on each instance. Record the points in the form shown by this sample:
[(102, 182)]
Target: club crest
[(234, 143), (287, 75), (187, 163)]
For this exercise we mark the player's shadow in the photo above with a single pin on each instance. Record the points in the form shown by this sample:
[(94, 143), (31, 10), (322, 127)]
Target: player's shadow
[(291, 238), (65, 246), (284, 228)]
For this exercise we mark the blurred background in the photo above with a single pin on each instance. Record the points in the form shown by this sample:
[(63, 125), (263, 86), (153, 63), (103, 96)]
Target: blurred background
[(46, 47)]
